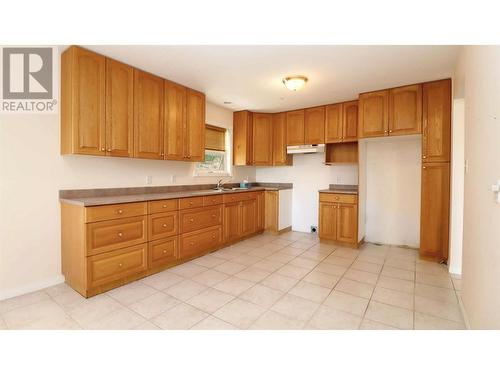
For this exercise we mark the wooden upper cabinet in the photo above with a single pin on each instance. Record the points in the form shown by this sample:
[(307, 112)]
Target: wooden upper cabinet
[(119, 109), (175, 121), (262, 139), (333, 123), (405, 110), (280, 157), (83, 100), (242, 138), (195, 125), (435, 210), (436, 132), (314, 125), (148, 116), (295, 128), (350, 121), (374, 114)]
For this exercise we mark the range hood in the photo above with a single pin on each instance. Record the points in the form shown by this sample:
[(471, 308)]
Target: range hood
[(305, 149)]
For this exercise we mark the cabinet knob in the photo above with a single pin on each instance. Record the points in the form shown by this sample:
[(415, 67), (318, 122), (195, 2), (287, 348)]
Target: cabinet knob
[(191, 243), (385, 131), (162, 154), (164, 206), (213, 216), (120, 212), (213, 236), (191, 220), (120, 234), (390, 131), (120, 265), (109, 150), (103, 149), (164, 225), (164, 251), (424, 167), (191, 203), (424, 157)]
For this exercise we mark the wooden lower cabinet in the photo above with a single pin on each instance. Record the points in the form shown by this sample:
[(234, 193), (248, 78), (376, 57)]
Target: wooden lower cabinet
[(435, 211), (272, 208), (117, 264), (338, 218), (200, 242), (163, 252), (107, 246)]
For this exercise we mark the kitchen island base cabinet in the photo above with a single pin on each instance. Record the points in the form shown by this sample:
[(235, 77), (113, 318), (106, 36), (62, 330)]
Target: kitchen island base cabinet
[(338, 218)]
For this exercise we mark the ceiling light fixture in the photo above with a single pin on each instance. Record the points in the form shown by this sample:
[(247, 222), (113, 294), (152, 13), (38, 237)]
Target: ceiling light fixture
[(294, 83)]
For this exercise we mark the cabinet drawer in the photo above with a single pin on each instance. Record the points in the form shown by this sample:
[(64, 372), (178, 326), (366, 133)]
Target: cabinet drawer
[(114, 234), (163, 225), (212, 200), (200, 241), (163, 252), (238, 197), (199, 218), (190, 202), (114, 265), (115, 211), (163, 206), (338, 198)]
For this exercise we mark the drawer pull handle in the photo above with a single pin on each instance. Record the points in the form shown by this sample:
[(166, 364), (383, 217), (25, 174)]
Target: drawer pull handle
[(120, 234), (164, 206), (120, 212), (191, 220), (164, 225), (164, 251), (120, 265)]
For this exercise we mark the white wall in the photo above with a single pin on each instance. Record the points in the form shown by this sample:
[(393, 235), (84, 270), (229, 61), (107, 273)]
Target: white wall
[(393, 190), (479, 68), (32, 172), (308, 175)]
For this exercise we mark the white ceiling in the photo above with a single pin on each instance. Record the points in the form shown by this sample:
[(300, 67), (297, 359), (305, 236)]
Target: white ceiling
[(250, 76)]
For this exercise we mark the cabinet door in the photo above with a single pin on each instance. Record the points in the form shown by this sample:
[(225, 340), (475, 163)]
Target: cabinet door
[(261, 211), (435, 210), (148, 116), (195, 126), (314, 125), (436, 137), (347, 223), (242, 138), (272, 211), (350, 121), (248, 217), (405, 110), (328, 221), (280, 157), (232, 221), (333, 123), (262, 139), (295, 127), (119, 109), (86, 117), (374, 114), (175, 121)]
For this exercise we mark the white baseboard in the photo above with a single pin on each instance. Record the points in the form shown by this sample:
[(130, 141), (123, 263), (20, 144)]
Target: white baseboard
[(33, 287), (455, 270)]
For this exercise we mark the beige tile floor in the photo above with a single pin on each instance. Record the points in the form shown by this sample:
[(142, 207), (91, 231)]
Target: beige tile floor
[(289, 281)]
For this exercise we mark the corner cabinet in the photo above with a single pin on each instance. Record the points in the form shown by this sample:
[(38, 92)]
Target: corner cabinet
[(112, 109), (338, 218)]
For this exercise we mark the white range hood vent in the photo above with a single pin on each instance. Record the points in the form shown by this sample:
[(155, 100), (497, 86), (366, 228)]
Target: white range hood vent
[(305, 149)]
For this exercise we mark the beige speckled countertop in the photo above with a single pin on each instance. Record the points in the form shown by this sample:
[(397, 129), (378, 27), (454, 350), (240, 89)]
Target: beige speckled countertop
[(341, 189), (100, 197)]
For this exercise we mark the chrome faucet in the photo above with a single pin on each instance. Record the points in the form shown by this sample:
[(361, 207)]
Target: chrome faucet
[(219, 184)]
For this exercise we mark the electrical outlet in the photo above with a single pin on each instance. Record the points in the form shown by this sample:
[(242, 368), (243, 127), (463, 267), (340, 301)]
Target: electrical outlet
[(314, 229), (172, 179), (149, 180), (339, 179)]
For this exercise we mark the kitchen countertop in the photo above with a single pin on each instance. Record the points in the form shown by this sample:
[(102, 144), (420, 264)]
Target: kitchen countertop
[(98, 197), (341, 189)]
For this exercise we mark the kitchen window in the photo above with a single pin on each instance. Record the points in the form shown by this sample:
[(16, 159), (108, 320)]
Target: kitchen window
[(217, 161)]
